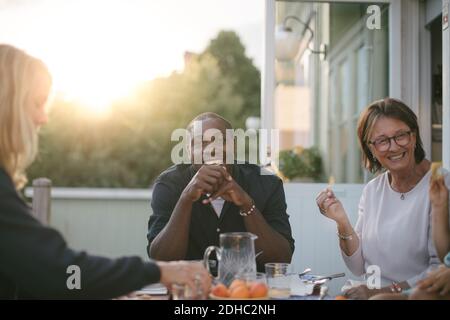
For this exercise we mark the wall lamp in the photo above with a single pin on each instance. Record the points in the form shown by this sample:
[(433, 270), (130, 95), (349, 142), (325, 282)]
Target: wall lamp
[(289, 45)]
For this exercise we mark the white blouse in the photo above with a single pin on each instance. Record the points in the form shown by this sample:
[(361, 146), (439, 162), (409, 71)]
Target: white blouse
[(395, 234)]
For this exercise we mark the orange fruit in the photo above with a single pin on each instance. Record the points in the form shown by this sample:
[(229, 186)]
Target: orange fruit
[(240, 292), (340, 298), (258, 290), (220, 290), (236, 283)]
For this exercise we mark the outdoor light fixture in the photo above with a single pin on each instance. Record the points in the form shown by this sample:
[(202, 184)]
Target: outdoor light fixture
[(289, 44), (253, 123)]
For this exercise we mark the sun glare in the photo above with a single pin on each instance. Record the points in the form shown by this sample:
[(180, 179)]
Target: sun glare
[(97, 63), (94, 89)]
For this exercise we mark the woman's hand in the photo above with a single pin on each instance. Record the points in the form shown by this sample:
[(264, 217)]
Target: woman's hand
[(361, 292), (437, 281), (330, 206), (192, 274), (438, 193)]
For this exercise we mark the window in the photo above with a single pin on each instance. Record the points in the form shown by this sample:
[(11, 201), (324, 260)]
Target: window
[(346, 66)]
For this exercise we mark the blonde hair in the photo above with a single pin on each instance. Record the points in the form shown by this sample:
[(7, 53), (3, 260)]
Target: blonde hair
[(18, 134)]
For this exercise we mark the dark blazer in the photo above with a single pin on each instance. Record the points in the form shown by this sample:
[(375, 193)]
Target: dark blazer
[(34, 259)]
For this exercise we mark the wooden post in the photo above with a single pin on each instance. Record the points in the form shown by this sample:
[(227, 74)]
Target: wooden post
[(42, 199)]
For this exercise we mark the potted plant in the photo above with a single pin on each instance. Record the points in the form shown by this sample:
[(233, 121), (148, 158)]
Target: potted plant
[(300, 164)]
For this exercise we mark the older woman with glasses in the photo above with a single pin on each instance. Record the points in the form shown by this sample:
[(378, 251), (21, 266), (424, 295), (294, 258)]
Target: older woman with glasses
[(393, 228)]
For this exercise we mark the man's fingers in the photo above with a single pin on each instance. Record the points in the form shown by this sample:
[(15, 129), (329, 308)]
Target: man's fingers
[(218, 170), (204, 186), (226, 173), (223, 189), (212, 172), (212, 181)]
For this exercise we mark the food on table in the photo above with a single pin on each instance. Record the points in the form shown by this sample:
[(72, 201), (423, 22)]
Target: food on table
[(435, 170), (258, 290), (331, 181), (220, 290), (240, 289), (340, 298), (240, 292)]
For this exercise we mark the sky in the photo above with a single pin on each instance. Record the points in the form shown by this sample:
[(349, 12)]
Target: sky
[(114, 44)]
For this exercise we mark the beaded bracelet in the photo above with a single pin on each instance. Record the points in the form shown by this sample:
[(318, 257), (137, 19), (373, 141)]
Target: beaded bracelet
[(249, 212)]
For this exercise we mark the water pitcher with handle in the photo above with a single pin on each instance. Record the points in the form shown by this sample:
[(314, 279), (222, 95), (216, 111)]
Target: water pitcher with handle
[(235, 256)]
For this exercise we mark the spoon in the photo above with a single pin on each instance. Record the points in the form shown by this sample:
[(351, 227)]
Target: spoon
[(307, 270), (333, 276)]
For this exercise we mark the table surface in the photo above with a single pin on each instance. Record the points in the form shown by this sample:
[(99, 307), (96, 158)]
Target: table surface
[(142, 295)]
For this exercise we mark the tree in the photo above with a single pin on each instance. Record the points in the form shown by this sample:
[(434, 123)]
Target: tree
[(235, 65), (131, 146)]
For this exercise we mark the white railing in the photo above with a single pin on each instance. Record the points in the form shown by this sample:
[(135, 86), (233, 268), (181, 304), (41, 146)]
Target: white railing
[(110, 222), (316, 242)]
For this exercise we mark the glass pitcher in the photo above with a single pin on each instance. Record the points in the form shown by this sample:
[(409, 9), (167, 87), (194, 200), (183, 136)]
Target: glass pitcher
[(235, 256)]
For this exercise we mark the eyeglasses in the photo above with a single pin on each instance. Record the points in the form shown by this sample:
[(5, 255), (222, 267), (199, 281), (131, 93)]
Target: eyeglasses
[(383, 144)]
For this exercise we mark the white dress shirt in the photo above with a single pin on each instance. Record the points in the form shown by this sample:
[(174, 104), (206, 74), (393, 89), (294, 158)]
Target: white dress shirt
[(217, 205)]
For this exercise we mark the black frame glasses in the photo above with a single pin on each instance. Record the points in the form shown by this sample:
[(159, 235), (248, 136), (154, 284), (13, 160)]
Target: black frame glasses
[(384, 144)]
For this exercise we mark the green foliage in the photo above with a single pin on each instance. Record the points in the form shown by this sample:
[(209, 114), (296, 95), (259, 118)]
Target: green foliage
[(239, 69), (301, 163), (131, 145)]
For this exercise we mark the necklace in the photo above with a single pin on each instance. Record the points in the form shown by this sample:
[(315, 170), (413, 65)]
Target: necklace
[(402, 194)]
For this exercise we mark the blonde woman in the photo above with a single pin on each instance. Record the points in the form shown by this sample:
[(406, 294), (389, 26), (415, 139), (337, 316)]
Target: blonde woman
[(35, 258)]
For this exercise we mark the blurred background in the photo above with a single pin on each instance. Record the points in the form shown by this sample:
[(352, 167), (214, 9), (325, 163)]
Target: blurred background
[(127, 73)]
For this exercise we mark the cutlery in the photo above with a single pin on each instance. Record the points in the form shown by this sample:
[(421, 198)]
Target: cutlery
[(307, 270), (333, 276)]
